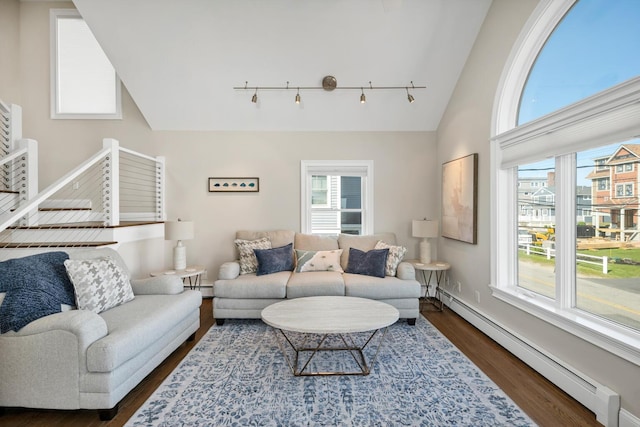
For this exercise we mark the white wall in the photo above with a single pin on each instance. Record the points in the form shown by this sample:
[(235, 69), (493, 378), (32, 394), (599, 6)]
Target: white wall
[(465, 128), (405, 168)]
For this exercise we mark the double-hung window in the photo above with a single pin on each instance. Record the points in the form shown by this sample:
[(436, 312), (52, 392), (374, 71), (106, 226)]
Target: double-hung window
[(84, 84), (337, 197), (559, 121)]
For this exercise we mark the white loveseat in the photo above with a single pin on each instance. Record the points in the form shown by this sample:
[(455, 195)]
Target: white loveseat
[(78, 359), (238, 296)]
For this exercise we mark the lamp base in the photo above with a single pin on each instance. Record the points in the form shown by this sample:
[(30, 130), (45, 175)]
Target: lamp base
[(425, 251), (179, 256)]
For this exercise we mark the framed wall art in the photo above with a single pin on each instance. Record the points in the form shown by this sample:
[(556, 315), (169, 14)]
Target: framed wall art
[(460, 199), (234, 185)]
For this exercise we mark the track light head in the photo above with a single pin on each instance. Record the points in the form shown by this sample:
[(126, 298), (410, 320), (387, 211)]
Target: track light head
[(254, 98), (298, 97), (409, 96), (363, 98)]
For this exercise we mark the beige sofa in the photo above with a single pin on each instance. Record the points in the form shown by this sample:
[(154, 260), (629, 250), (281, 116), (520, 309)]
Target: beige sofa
[(78, 359), (243, 296)]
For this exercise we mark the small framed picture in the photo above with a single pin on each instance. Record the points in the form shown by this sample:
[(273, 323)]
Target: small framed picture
[(234, 185)]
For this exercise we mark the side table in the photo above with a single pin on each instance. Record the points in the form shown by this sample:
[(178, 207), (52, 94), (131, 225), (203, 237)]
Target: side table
[(192, 274), (439, 269)]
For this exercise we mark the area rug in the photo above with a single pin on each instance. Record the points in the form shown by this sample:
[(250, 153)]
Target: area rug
[(237, 376)]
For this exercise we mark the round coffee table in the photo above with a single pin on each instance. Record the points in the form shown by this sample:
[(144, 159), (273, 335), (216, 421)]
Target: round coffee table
[(324, 316)]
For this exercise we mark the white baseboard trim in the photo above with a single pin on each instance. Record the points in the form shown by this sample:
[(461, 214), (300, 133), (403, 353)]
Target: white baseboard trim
[(602, 401)]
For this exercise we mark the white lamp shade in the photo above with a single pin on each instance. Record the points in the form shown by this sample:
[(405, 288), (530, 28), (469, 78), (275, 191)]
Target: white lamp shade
[(424, 228), (178, 230)]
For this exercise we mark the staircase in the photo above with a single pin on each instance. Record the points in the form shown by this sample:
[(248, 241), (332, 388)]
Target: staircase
[(115, 196)]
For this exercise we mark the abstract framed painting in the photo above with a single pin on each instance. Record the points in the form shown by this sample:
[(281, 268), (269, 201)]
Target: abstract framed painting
[(460, 199), (234, 185)]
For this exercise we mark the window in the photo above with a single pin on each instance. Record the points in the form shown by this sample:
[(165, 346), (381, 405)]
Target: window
[(571, 120), (628, 167), (619, 168), (337, 197), (84, 84)]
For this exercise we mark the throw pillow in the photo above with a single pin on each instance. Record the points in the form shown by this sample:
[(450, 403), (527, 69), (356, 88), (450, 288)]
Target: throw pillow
[(100, 283), (318, 260), (274, 260), (34, 286), (396, 253), (371, 263), (248, 260)]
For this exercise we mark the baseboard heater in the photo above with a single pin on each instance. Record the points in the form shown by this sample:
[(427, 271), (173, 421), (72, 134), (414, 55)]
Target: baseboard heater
[(602, 401)]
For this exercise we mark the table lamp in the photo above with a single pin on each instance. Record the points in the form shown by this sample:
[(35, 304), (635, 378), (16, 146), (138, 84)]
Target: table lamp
[(425, 229), (179, 230)]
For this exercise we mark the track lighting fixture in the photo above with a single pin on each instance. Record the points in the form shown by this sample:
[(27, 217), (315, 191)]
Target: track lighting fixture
[(329, 83)]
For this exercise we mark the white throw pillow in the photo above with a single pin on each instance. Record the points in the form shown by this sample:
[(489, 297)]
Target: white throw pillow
[(318, 261), (248, 260), (99, 283), (396, 253)]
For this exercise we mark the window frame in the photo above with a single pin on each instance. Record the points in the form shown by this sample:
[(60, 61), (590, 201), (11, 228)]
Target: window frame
[(54, 16), (362, 168), (532, 141)]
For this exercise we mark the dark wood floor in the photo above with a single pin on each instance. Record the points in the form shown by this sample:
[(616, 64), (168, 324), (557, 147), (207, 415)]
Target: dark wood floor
[(542, 401)]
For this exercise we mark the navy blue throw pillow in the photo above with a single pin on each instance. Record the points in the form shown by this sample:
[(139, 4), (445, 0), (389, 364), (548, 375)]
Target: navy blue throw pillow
[(371, 263), (35, 287), (274, 260)]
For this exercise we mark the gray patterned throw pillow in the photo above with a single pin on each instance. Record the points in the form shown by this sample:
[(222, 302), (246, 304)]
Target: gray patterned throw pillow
[(100, 284), (248, 260), (396, 253)]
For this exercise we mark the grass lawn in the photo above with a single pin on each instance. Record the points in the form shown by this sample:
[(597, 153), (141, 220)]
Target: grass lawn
[(616, 270)]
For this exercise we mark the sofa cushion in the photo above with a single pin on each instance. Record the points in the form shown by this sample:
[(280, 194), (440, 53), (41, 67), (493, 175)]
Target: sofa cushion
[(318, 261), (252, 286), (380, 288), (35, 286), (276, 237), (315, 283), (248, 260), (396, 253), (274, 260), (364, 243), (314, 242), (370, 263), (100, 284), (136, 325)]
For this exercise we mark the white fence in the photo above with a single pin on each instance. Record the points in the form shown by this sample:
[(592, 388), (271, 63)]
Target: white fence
[(550, 253)]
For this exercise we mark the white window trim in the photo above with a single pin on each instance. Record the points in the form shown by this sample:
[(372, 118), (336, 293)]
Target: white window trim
[(614, 114), (337, 167), (54, 15)]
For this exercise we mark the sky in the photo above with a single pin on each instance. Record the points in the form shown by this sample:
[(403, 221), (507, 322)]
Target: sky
[(595, 46)]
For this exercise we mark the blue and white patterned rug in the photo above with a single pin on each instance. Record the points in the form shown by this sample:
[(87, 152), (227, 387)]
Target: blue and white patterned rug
[(237, 376)]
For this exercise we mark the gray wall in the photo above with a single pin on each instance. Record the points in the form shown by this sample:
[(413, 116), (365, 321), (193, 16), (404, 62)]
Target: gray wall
[(464, 129)]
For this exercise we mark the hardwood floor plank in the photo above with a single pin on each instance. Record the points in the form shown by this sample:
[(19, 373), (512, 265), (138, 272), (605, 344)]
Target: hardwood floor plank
[(540, 399)]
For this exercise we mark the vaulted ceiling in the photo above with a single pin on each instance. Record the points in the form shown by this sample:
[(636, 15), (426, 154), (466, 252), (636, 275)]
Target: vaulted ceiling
[(180, 60)]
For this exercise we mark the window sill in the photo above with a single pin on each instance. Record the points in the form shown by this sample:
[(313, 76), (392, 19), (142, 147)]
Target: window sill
[(618, 340)]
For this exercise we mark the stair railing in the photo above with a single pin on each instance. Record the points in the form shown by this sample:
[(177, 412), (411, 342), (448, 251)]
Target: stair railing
[(79, 207)]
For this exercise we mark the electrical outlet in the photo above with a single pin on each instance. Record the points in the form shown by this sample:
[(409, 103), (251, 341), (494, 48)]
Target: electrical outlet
[(76, 185), (448, 283), (459, 286), (478, 296), (203, 276)]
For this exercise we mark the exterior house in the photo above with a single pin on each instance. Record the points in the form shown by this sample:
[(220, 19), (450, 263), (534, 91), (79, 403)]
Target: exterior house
[(615, 181)]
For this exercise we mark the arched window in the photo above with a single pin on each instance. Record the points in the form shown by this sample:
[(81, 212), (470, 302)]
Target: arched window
[(565, 161)]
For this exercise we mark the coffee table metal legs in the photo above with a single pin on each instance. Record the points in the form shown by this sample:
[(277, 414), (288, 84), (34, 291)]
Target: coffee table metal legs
[(356, 351)]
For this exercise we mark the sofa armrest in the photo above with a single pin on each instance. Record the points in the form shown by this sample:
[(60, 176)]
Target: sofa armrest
[(159, 285), (406, 271), (86, 325), (229, 270)]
